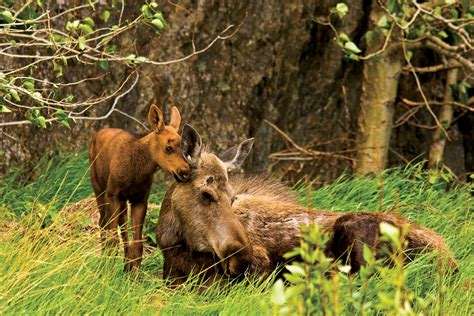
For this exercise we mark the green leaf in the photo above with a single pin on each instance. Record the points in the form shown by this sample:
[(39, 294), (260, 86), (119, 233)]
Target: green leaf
[(7, 15), (15, 95), (72, 26), (59, 38), (60, 114), (409, 55), (147, 13), (158, 23), (130, 58), (223, 86), (65, 123), (344, 37), (105, 16), (392, 232), (58, 68), (29, 85), (352, 47), (368, 255), (352, 56), (159, 15), (383, 22), (293, 253), (342, 9), (443, 34), (278, 293), (40, 121), (86, 29), (62, 118), (140, 59), (38, 97), (104, 64), (344, 269), (89, 21), (294, 279), (32, 114), (4, 109), (296, 270), (82, 42)]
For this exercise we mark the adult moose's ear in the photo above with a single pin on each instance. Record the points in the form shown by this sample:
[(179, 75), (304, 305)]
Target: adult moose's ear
[(191, 144), (156, 119), (235, 156), (175, 119)]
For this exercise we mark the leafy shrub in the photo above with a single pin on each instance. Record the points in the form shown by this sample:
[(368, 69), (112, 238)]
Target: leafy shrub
[(319, 285)]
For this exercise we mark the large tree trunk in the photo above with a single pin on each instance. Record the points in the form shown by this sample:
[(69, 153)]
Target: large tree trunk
[(445, 117), (379, 90)]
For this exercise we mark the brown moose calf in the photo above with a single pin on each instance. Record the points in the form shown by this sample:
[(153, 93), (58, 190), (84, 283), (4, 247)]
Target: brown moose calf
[(122, 168), (214, 225)]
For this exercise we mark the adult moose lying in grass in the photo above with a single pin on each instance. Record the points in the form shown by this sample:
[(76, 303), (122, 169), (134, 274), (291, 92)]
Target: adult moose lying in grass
[(122, 168), (214, 225)]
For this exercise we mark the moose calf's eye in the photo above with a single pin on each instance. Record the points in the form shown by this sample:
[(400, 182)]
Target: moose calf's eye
[(169, 149)]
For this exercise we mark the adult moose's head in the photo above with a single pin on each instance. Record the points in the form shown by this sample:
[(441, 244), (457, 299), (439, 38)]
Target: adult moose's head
[(201, 213), (164, 143)]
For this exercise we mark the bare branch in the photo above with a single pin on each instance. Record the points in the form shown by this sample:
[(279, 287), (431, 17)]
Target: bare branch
[(453, 103)]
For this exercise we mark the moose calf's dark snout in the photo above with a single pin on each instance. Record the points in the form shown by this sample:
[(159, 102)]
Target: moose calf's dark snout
[(184, 174)]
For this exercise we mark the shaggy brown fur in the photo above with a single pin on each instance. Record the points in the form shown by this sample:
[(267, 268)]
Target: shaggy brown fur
[(264, 221), (352, 231), (122, 168), (196, 219)]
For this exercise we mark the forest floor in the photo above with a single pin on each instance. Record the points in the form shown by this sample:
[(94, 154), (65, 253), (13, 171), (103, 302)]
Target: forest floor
[(50, 260)]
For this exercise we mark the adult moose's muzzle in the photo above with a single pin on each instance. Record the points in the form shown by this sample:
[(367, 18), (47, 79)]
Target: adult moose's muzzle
[(233, 248)]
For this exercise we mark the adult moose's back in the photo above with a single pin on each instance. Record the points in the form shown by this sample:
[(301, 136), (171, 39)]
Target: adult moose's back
[(122, 169)]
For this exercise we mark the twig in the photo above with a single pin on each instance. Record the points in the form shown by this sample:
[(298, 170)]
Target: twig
[(301, 150), (420, 89), (434, 68), (111, 110), (458, 104)]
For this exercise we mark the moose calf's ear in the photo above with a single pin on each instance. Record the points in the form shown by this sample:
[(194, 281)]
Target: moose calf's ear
[(175, 119), (191, 144), (156, 119), (235, 156)]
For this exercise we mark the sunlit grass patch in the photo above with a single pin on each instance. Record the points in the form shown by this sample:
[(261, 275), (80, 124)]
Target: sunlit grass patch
[(51, 261)]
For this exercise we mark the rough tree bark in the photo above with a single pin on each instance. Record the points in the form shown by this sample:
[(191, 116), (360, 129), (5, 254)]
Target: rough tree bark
[(435, 157), (281, 66), (379, 90)]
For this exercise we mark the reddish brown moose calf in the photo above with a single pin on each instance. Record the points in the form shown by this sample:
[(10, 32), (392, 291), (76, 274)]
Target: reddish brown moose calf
[(214, 225), (122, 168)]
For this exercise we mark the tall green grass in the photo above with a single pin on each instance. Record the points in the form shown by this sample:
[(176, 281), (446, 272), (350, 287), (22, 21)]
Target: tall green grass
[(50, 261)]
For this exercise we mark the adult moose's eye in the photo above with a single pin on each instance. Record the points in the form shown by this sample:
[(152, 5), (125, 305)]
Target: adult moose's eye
[(169, 149)]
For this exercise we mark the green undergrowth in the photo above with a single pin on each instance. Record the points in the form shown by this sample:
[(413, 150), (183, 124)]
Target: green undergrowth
[(51, 262)]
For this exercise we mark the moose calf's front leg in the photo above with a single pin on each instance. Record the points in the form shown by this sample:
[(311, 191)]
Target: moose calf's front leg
[(135, 248)]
